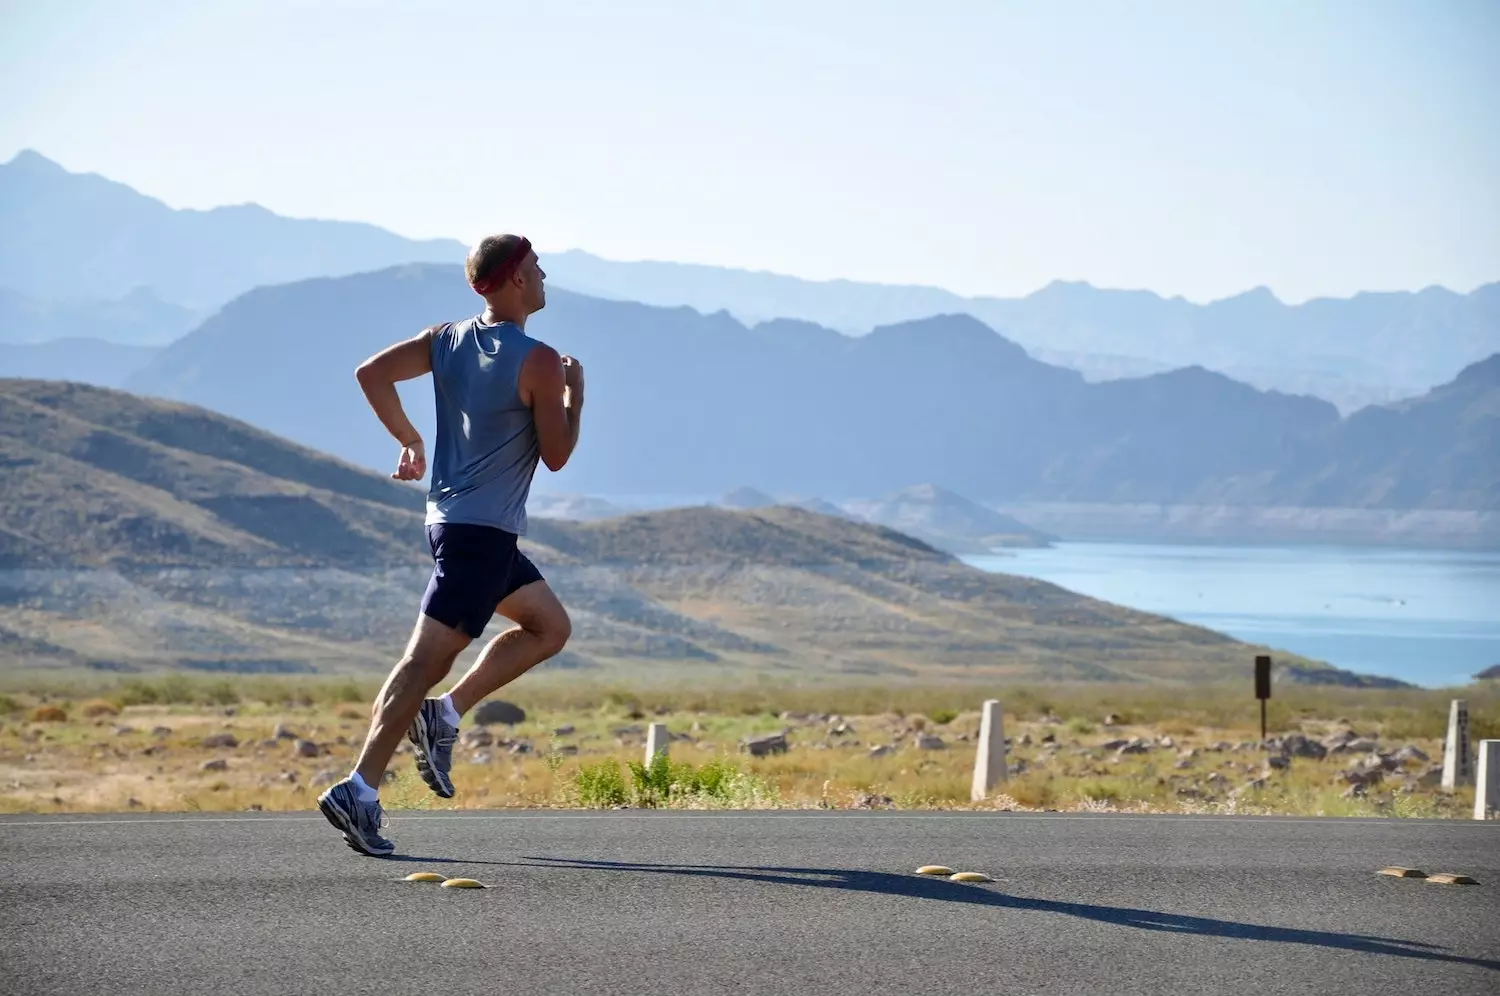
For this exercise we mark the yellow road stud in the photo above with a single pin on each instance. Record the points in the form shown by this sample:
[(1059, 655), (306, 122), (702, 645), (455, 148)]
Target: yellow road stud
[(461, 883), (969, 877), (1403, 872), (423, 877), (1448, 879), (934, 870)]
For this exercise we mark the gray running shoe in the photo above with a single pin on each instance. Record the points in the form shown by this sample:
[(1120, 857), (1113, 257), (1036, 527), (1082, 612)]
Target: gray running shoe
[(360, 821), (433, 737)]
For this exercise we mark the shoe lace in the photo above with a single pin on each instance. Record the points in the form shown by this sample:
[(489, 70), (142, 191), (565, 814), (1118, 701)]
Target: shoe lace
[(372, 816)]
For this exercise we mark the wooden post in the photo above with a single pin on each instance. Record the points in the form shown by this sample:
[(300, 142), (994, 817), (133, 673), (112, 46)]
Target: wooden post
[(989, 760)]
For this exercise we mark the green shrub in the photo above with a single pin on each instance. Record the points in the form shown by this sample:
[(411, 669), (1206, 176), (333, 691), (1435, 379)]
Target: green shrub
[(652, 782), (600, 785), (8, 705), (221, 693), (1080, 725), (943, 717)]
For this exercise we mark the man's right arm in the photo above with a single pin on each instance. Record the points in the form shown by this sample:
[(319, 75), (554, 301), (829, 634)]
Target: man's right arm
[(556, 404), (378, 376)]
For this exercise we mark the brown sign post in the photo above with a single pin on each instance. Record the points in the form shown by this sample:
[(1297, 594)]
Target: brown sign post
[(1262, 689)]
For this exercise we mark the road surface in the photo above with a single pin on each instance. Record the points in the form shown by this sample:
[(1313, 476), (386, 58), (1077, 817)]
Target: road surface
[(768, 902)]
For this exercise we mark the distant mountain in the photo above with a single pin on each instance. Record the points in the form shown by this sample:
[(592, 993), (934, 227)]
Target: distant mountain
[(172, 536), (574, 508), (1373, 347), (70, 235), (747, 498), (947, 521), (88, 361), (137, 319), (682, 403)]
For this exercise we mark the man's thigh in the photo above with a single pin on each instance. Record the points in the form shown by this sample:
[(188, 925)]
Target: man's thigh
[(534, 606), (435, 643)]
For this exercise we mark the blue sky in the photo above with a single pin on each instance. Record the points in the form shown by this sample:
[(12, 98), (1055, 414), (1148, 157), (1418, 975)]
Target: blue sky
[(1318, 148)]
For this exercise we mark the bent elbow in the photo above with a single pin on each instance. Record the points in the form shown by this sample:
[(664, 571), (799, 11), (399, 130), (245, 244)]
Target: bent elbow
[(554, 464)]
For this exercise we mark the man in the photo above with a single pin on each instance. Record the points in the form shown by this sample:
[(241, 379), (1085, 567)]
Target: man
[(504, 400)]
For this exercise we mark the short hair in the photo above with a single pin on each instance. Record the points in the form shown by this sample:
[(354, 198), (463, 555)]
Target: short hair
[(494, 259)]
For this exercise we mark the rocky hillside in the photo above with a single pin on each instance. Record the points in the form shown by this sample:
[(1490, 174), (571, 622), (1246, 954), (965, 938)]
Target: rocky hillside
[(140, 534)]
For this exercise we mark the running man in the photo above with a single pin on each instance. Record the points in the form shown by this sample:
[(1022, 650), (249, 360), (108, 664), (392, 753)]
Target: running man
[(504, 400)]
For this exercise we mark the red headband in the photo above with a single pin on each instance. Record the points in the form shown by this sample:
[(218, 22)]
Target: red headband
[(503, 269)]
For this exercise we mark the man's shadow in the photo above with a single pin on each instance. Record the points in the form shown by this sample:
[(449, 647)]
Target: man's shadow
[(924, 887)]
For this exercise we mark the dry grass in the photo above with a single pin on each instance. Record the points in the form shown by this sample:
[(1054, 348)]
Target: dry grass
[(150, 755)]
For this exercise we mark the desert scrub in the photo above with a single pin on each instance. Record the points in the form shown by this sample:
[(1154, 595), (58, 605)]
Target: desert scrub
[(94, 708), (599, 786), (717, 783), (49, 714), (8, 705)]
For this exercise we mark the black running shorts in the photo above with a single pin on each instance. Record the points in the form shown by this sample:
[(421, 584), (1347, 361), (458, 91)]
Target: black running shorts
[(474, 569)]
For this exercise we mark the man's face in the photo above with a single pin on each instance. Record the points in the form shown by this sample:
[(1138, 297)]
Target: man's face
[(536, 293)]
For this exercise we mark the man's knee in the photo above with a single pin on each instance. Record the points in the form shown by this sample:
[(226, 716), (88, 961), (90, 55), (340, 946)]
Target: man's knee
[(552, 629)]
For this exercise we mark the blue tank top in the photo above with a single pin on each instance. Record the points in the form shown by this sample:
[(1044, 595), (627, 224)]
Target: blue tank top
[(486, 450)]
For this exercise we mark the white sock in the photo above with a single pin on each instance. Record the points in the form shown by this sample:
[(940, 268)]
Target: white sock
[(366, 794), (450, 714)]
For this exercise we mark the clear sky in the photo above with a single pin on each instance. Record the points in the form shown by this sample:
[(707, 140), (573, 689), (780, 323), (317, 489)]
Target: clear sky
[(1318, 147)]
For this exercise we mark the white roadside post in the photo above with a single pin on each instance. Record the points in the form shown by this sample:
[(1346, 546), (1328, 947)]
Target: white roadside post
[(1457, 764), (989, 760), (657, 739), (1487, 784)]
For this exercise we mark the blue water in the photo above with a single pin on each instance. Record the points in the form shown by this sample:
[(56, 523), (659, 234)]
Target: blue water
[(1428, 617)]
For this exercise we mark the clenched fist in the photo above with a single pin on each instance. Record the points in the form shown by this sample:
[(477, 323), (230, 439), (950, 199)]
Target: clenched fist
[(413, 462), (572, 374)]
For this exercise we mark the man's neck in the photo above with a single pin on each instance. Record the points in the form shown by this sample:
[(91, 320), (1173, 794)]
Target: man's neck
[(492, 316)]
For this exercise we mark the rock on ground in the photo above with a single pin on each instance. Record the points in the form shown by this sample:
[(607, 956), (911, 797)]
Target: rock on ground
[(499, 712)]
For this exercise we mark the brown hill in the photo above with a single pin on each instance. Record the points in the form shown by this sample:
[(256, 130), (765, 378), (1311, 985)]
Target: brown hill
[(140, 533)]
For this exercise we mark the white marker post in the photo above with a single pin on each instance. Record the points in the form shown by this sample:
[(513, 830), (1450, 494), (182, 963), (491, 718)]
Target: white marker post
[(1457, 767), (657, 739), (1487, 785), (989, 760)]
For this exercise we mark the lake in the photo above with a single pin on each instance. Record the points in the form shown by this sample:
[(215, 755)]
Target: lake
[(1428, 617)]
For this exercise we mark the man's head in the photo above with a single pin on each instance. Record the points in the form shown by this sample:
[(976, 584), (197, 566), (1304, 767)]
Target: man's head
[(504, 271)]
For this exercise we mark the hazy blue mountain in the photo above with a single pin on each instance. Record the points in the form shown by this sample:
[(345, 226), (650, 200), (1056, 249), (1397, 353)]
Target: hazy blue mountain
[(138, 319), (1441, 450), (1373, 347), (947, 521), (65, 232), (70, 236), (87, 361), (683, 403)]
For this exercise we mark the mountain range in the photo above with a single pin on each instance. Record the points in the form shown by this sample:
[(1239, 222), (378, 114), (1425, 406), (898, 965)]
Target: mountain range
[(66, 232), (689, 404), (139, 534)]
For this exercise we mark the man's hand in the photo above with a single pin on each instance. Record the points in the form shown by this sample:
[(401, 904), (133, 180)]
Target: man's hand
[(572, 375), (413, 462)]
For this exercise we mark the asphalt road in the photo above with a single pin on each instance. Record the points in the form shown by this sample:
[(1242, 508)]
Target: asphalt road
[(785, 903)]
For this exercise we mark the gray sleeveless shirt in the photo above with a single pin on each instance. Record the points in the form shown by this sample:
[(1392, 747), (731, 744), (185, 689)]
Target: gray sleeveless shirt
[(486, 450)]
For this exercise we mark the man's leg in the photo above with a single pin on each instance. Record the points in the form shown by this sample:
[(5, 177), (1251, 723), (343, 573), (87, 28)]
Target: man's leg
[(541, 631), (429, 656), (353, 805)]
